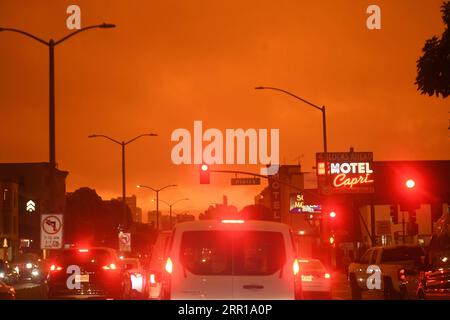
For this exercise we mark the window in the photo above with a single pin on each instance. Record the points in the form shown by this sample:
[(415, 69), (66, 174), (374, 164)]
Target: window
[(206, 252), (232, 253), (402, 254)]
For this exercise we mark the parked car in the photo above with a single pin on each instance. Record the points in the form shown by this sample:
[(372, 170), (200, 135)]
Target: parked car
[(29, 267), (399, 267), (88, 273), (434, 282), (231, 259), (138, 276), (316, 280), (6, 291), (157, 264)]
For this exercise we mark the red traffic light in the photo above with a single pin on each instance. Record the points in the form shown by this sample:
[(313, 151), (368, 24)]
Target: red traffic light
[(332, 214), (410, 183), (204, 167)]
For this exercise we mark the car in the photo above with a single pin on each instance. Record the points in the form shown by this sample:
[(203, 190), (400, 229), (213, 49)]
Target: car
[(316, 280), (398, 267), (7, 292), (88, 273), (157, 264), (231, 259), (8, 274), (434, 280), (139, 279), (29, 267)]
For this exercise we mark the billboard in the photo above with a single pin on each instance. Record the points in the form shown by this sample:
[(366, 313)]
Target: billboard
[(345, 172)]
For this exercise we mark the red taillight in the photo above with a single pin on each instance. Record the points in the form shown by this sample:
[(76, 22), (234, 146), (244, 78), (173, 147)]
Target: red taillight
[(54, 267), (327, 276), (83, 250), (402, 274), (111, 266), (152, 279), (233, 221), (169, 266), (295, 267)]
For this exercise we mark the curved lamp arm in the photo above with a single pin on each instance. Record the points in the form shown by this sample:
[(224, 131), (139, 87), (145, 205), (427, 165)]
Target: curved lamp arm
[(25, 34)]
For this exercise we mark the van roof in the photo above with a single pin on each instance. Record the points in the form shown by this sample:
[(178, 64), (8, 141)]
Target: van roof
[(219, 225)]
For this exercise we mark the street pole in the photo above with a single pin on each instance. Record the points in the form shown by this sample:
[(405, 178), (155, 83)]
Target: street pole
[(324, 127), (403, 227), (52, 134), (124, 193), (157, 209), (123, 144), (170, 216), (51, 131)]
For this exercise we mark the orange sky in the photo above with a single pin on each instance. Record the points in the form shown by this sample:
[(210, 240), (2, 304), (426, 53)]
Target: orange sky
[(169, 63)]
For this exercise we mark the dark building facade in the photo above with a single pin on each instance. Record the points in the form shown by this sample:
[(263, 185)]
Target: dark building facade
[(33, 197), (364, 220)]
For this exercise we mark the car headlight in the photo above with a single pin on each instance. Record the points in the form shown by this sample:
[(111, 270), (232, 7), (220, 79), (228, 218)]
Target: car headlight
[(35, 273), (2, 275), (29, 265)]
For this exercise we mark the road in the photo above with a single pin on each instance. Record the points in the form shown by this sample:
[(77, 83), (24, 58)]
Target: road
[(340, 291)]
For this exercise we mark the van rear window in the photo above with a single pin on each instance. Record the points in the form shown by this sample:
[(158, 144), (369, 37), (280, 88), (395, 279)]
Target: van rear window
[(232, 253)]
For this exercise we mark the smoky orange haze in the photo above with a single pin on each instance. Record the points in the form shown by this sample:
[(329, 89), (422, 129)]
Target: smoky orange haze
[(169, 63)]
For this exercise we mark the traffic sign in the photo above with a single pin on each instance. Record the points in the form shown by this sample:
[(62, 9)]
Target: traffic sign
[(245, 181), (30, 206), (124, 242), (51, 231)]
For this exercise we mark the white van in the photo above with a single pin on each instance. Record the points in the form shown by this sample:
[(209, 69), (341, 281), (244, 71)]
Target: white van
[(231, 259)]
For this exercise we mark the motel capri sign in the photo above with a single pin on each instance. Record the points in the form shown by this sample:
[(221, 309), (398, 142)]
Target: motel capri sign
[(345, 172)]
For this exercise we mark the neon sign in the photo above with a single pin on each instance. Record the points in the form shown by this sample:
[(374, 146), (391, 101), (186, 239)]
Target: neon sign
[(345, 172)]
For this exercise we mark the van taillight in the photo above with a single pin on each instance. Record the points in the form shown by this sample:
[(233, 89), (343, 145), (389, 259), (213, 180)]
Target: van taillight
[(295, 267), (169, 266)]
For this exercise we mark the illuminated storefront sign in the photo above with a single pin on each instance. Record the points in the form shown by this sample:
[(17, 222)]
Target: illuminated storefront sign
[(345, 172), (298, 205)]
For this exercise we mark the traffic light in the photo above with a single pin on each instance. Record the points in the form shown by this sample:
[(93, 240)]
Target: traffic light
[(394, 214), (410, 183), (410, 199), (204, 174), (332, 214), (332, 239)]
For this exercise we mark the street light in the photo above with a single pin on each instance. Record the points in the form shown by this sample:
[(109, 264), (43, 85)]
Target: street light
[(157, 198), (322, 109), (51, 46), (170, 207), (123, 144)]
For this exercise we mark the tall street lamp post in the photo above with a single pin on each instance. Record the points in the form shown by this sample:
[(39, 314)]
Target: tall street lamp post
[(123, 144), (322, 109), (51, 46), (170, 208), (157, 198)]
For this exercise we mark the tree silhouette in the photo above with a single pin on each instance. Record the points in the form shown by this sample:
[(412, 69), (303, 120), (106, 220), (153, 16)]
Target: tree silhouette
[(433, 67), (89, 220)]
